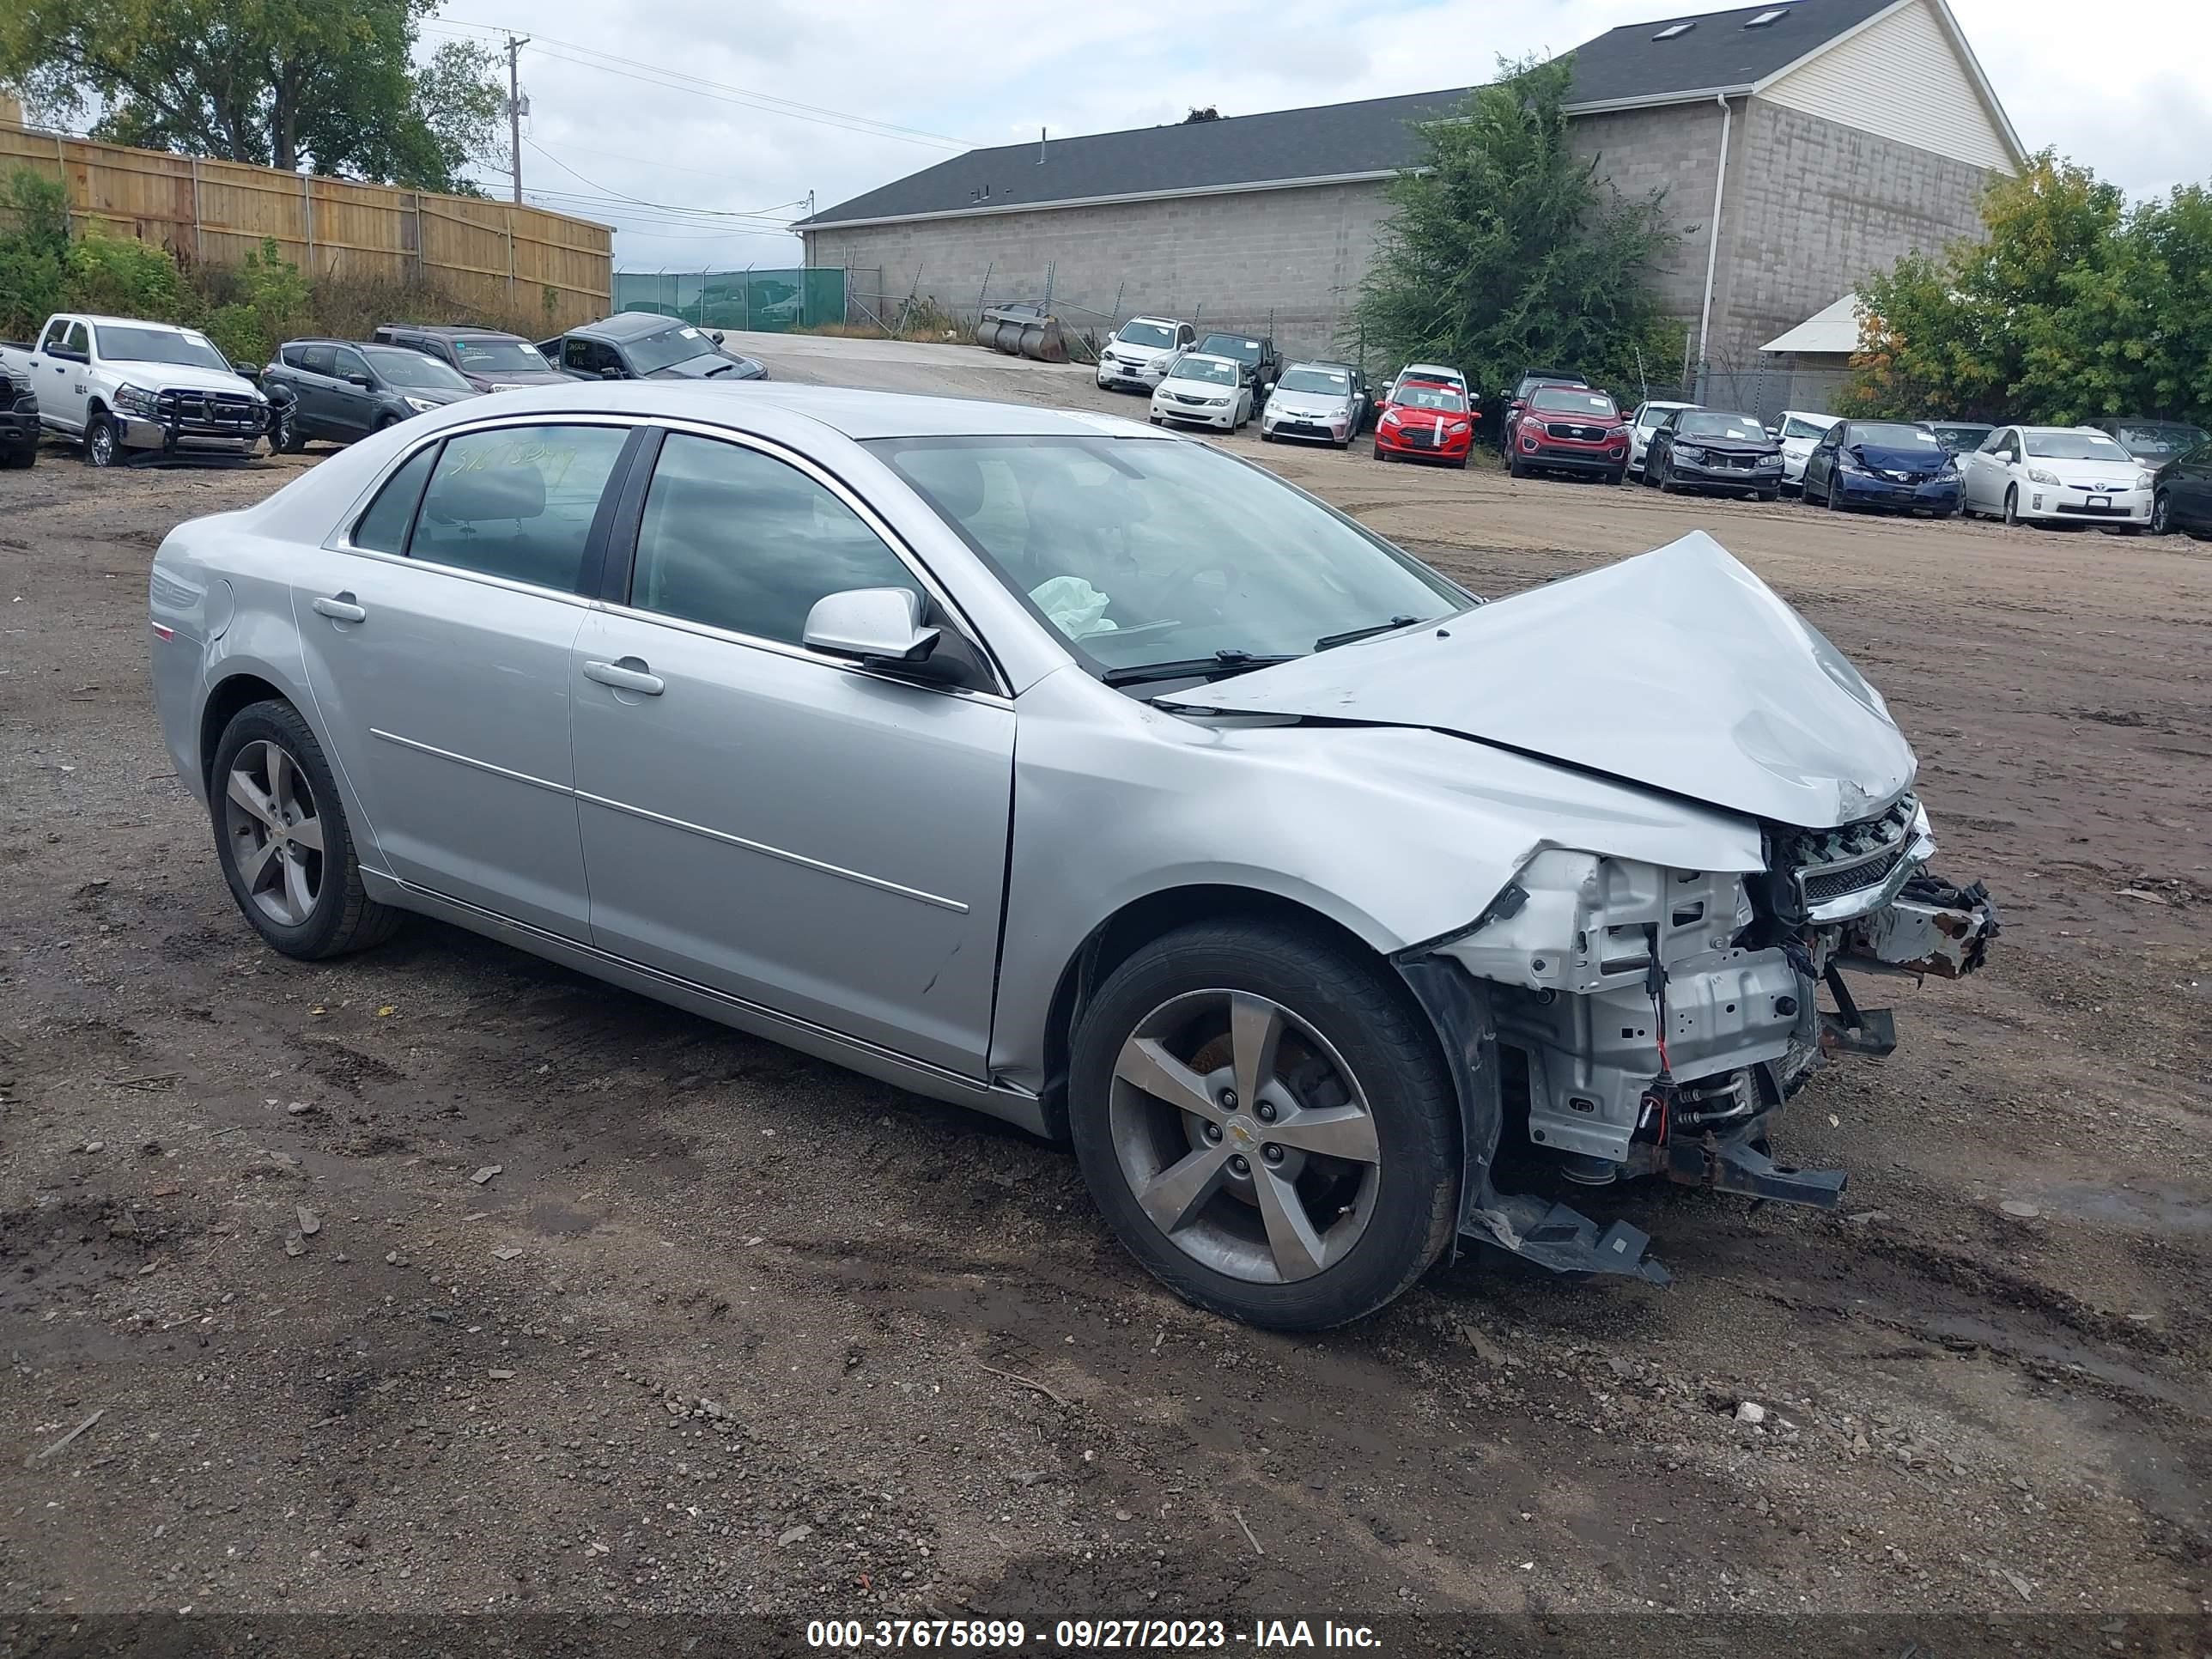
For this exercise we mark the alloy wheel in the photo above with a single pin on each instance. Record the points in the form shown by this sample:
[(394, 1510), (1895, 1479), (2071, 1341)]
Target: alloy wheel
[(275, 835), (1244, 1137), (99, 446), (2162, 514)]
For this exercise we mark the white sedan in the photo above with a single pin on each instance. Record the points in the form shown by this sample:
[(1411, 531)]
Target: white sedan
[(1204, 390), (2057, 475), (1641, 426), (1802, 432)]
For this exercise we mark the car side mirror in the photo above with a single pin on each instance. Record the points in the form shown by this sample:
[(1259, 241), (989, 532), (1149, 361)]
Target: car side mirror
[(870, 624), (715, 335), (357, 379), (247, 370)]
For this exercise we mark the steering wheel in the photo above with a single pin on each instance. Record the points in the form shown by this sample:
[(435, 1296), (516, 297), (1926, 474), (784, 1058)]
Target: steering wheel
[(1171, 587)]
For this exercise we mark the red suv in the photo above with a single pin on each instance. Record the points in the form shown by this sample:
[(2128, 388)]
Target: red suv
[(1568, 429), (1425, 419)]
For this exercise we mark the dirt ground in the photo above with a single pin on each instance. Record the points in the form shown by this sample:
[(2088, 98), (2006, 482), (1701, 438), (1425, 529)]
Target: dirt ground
[(732, 1332)]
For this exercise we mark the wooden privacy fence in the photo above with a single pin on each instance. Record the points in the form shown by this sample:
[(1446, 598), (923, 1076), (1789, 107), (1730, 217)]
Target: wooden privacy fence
[(493, 257)]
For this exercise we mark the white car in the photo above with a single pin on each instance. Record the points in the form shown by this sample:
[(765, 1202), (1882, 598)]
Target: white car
[(1802, 432), (2057, 475), (122, 387), (1641, 426), (1320, 401), (1435, 372), (1138, 353), (1203, 391)]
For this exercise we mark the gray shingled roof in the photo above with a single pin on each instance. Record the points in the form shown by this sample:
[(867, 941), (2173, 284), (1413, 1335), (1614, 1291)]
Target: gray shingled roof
[(1334, 140)]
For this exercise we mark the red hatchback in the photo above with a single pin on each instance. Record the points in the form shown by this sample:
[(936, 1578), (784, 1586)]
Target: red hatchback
[(1568, 429), (1425, 421)]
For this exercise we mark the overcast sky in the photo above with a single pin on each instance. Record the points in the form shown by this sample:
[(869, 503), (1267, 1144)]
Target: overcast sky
[(2129, 94)]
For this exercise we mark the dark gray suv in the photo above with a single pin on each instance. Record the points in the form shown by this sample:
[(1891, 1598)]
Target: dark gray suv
[(336, 391)]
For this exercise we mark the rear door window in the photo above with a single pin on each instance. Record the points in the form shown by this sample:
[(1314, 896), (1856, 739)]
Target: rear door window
[(316, 359), (517, 501), (739, 540), (383, 528)]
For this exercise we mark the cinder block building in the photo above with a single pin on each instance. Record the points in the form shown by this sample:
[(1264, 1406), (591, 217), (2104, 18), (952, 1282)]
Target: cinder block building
[(1802, 144)]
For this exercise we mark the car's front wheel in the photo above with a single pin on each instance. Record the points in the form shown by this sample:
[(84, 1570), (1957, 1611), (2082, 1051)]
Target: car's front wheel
[(282, 837), (1266, 1121), (2162, 514), (101, 447)]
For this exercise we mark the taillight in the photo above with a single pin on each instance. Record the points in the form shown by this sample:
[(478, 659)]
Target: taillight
[(163, 632)]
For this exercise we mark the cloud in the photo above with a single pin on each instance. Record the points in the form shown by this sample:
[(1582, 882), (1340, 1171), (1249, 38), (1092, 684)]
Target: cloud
[(989, 71)]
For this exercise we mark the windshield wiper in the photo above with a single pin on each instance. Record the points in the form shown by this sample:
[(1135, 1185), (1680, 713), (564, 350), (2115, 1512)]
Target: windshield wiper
[(1350, 634), (1220, 664)]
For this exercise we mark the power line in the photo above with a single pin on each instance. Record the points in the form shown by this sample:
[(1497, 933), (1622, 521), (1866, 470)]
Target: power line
[(680, 80), (611, 193)]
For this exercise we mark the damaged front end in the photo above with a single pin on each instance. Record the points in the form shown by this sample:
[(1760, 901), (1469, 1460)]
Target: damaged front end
[(1613, 1019)]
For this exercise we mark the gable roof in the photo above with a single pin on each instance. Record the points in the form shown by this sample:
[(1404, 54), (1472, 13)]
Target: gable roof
[(1625, 67)]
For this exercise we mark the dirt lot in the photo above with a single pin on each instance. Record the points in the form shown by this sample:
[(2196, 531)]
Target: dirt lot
[(731, 1331)]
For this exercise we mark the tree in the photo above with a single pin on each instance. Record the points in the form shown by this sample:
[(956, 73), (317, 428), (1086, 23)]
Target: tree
[(2073, 306), (331, 84), (1505, 250)]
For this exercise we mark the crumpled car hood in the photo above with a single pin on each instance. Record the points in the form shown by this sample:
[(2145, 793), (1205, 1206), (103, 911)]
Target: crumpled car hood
[(1677, 669)]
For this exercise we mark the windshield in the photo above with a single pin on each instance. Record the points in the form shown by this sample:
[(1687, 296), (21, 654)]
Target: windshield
[(1961, 434), (1444, 398), (158, 345), (1145, 334), (2074, 446), (1141, 551), (1228, 345), (1530, 382), (2160, 441), (1557, 400), (404, 367), (1329, 382), (1212, 371), (1795, 428), (1652, 415), (1741, 428), (498, 356), (1891, 435), (667, 349)]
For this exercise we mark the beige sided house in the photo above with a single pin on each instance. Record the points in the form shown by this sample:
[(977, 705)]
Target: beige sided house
[(1802, 144)]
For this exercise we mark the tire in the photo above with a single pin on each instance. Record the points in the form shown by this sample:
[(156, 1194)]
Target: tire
[(1774, 495), (1515, 469), (1358, 1048), (1835, 502), (102, 449), (1614, 478), (2012, 504), (325, 912), (1381, 453), (2161, 514), (1667, 484), (287, 439), (1943, 512), (1461, 462), (16, 460)]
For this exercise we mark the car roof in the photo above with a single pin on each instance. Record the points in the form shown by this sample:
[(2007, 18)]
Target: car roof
[(856, 414), (1432, 368), (1238, 334), (626, 324), (1206, 357), (1809, 414), (127, 322), (451, 330)]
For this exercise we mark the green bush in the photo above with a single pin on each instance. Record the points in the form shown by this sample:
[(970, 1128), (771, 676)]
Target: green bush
[(122, 277), (33, 244)]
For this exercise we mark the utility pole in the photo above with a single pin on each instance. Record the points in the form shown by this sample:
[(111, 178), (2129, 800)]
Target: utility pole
[(515, 45)]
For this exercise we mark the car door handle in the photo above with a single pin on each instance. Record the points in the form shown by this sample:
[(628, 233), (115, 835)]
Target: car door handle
[(627, 675), (340, 607)]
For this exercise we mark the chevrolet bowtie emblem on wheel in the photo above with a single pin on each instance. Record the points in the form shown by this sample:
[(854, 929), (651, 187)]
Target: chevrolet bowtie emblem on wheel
[(1241, 1134)]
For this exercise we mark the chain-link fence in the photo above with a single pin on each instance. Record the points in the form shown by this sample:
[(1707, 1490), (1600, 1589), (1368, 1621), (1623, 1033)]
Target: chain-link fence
[(771, 301)]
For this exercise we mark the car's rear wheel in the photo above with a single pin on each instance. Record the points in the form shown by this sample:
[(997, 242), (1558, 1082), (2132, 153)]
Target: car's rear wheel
[(283, 841), (1266, 1121)]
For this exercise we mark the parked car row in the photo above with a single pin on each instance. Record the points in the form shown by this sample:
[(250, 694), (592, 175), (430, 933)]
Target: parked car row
[(127, 390)]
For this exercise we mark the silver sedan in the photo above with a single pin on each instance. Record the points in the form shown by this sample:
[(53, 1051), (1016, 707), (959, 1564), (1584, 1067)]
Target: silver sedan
[(1086, 775)]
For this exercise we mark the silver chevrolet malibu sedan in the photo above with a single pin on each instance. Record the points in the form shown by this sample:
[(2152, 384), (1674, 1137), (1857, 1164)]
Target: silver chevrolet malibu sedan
[(1089, 776)]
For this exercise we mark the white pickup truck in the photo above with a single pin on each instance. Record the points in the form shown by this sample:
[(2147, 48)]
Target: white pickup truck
[(129, 389)]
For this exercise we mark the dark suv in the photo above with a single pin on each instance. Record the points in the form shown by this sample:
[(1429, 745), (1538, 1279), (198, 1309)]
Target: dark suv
[(336, 392), (1255, 351), (489, 358), (19, 421), (645, 345)]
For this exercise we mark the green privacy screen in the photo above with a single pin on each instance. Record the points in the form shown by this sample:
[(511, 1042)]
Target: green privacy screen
[(768, 300)]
